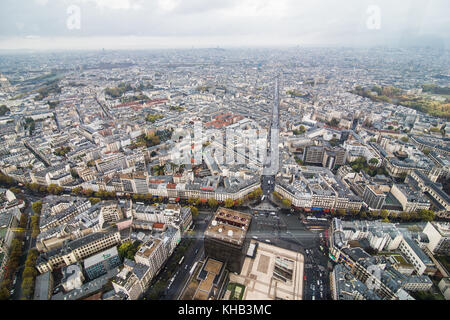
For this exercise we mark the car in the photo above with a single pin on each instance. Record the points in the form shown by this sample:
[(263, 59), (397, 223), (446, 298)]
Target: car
[(267, 240), (321, 295), (318, 282)]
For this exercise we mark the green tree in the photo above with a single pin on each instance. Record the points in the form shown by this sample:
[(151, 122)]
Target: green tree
[(286, 203), (88, 192), (54, 189), (15, 190), (212, 203), (354, 212), (29, 272), (258, 192), (4, 293), (384, 214), (373, 161), (427, 215), (374, 214), (194, 211), (37, 207), (229, 203), (414, 215), (405, 216), (123, 248), (77, 191), (27, 283), (94, 200)]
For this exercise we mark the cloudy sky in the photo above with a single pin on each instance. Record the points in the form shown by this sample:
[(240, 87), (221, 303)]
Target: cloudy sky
[(139, 24)]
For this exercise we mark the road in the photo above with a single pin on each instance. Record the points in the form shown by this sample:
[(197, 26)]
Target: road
[(193, 254), (29, 243), (271, 163), (293, 231)]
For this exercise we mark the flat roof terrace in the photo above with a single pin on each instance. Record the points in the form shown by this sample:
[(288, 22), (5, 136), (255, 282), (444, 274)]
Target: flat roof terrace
[(229, 226)]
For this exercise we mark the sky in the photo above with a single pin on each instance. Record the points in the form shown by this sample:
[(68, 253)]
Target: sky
[(147, 24)]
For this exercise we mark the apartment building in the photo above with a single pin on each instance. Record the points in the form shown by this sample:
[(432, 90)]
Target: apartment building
[(77, 250)]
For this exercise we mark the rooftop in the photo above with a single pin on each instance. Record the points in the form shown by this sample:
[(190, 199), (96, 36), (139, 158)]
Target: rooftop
[(229, 225)]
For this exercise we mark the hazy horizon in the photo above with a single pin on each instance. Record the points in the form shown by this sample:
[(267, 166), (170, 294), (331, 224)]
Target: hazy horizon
[(183, 24)]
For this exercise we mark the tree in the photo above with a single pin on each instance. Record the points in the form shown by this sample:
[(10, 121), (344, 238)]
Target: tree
[(35, 232), (77, 191), (54, 189), (88, 192), (27, 283), (15, 190), (194, 211), (34, 187), (384, 214), (405, 216), (427, 215), (354, 212), (212, 203), (74, 174), (373, 161), (258, 192), (29, 272), (4, 293), (123, 248), (363, 215), (238, 202), (341, 212), (286, 203), (37, 207), (94, 200), (374, 214), (334, 122), (414, 215), (229, 203)]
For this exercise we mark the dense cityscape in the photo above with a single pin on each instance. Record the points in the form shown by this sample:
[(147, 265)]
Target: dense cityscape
[(225, 174)]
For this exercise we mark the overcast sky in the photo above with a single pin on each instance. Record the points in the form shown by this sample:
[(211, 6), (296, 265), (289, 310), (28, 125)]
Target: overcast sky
[(139, 24)]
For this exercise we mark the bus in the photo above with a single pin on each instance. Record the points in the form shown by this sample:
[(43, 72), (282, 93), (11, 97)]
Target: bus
[(181, 260)]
